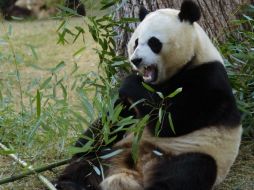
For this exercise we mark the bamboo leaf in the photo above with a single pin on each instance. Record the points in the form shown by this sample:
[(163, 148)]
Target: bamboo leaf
[(176, 92), (84, 149), (61, 25), (10, 30), (171, 123), (68, 10), (157, 128), (136, 103), (97, 170), (138, 131), (79, 51), (160, 95), (7, 152), (38, 104), (64, 91), (161, 113), (58, 67), (134, 148), (110, 4), (17, 18), (156, 152), (35, 55), (248, 17), (117, 112), (87, 105), (47, 182), (126, 121), (34, 129), (112, 154), (149, 88)]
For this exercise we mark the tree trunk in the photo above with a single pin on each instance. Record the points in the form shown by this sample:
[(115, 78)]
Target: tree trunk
[(216, 16)]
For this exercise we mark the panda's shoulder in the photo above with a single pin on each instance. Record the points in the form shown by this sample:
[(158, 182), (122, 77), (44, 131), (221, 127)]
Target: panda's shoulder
[(209, 74), (212, 68)]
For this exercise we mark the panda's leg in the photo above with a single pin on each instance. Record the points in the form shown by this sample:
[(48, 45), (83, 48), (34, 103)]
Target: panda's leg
[(121, 181), (123, 173), (190, 171)]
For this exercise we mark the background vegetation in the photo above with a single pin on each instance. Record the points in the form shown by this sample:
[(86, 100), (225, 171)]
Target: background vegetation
[(57, 78)]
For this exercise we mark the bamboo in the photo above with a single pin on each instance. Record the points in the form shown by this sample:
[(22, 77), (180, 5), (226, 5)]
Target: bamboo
[(36, 170), (32, 170)]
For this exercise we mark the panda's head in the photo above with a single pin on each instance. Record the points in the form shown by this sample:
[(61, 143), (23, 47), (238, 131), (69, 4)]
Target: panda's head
[(164, 41)]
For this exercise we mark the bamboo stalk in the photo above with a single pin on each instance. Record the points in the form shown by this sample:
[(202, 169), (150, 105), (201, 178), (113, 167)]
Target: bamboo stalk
[(36, 170), (32, 170)]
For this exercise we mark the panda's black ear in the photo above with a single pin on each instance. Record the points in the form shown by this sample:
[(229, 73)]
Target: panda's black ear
[(142, 13), (189, 11)]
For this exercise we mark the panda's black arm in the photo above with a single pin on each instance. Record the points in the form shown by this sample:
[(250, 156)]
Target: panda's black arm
[(130, 91)]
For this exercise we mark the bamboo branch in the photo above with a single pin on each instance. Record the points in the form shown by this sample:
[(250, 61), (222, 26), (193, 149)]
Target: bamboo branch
[(32, 170), (36, 170)]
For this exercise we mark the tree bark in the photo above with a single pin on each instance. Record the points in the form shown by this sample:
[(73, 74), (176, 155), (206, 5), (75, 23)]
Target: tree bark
[(216, 16)]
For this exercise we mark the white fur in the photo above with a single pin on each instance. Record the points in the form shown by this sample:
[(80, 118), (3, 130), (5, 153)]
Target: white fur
[(221, 143), (181, 41), (120, 181)]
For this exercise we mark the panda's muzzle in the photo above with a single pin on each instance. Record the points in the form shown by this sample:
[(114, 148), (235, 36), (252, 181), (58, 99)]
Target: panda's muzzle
[(150, 73), (136, 61)]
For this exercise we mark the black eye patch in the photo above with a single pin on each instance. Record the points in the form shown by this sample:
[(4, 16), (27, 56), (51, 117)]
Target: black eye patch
[(155, 44), (136, 44)]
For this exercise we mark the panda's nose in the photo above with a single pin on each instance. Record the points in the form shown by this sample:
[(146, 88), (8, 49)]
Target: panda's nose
[(136, 61)]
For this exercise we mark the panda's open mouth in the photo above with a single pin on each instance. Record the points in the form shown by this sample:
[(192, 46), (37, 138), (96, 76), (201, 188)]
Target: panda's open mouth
[(150, 73)]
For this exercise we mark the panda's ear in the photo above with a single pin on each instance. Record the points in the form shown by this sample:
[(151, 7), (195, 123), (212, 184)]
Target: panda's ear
[(189, 12), (142, 13)]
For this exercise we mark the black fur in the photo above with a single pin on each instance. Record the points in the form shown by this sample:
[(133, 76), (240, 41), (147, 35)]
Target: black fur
[(189, 12), (206, 99), (79, 175), (192, 171), (142, 13), (136, 61), (155, 44), (136, 44)]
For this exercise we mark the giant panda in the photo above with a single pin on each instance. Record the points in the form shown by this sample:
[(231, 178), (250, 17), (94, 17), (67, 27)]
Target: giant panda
[(168, 51)]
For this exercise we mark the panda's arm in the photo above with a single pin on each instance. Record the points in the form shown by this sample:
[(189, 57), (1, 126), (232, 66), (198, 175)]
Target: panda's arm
[(130, 91)]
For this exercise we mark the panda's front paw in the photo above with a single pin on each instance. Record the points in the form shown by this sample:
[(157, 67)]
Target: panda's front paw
[(120, 181)]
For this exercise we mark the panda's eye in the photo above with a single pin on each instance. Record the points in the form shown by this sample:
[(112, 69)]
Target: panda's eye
[(155, 44), (136, 44)]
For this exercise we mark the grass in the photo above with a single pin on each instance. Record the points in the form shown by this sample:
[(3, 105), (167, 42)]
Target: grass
[(42, 36), (35, 45)]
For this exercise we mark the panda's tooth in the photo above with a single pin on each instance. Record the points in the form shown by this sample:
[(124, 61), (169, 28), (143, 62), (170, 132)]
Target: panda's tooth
[(147, 78)]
